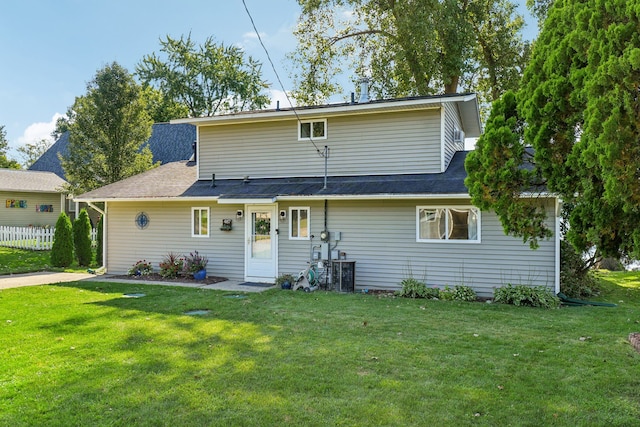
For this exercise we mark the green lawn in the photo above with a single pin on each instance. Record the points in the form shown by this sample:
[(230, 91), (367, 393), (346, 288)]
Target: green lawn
[(16, 261), (82, 354)]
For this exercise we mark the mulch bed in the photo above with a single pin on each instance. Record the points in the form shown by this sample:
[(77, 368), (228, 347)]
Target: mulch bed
[(155, 277), (634, 339)]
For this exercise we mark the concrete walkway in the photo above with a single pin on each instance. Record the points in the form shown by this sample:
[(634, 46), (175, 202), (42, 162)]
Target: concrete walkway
[(45, 278)]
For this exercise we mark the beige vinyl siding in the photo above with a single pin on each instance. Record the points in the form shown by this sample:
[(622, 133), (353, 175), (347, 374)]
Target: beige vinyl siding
[(451, 123), (295, 254), (381, 237), (372, 144), (169, 230), (22, 217)]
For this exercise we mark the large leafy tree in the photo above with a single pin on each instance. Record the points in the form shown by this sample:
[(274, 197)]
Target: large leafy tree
[(32, 151), (160, 108), (208, 79), (539, 9), (420, 47), (108, 129), (4, 145), (579, 109)]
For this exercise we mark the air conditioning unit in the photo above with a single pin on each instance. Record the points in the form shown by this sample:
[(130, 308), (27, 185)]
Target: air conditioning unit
[(458, 135)]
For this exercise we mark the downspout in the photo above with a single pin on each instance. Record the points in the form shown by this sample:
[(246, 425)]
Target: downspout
[(104, 238), (328, 266), (443, 139), (558, 211), (326, 203)]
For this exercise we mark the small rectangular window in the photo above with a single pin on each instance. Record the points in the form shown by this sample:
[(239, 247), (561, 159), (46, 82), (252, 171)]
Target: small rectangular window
[(299, 223), (447, 224), (312, 129), (200, 222)]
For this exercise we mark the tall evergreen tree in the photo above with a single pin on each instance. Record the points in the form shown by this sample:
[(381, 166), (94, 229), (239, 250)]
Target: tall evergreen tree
[(82, 238), (579, 110), (62, 249)]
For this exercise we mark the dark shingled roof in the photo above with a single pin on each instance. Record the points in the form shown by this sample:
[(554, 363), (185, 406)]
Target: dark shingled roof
[(168, 143), (179, 179)]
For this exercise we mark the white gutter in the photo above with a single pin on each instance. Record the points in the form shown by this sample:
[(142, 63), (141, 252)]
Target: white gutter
[(260, 200), (149, 199), (246, 201)]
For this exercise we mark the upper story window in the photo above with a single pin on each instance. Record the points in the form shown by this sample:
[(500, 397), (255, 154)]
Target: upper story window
[(313, 129), (199, 222), (299, 224), (447, 224)]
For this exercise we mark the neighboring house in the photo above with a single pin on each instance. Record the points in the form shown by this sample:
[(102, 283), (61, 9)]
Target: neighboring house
[(30, 198), (168, 143), (255, 200)]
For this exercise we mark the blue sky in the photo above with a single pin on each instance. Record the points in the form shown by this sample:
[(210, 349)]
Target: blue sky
[(51, 49)]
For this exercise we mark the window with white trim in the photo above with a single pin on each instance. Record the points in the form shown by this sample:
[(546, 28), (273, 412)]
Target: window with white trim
[(312, 129), (199, 222), (437, 224), (299, 223)]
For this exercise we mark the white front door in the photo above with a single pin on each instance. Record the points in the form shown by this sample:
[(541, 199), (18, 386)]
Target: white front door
[(262, 246)]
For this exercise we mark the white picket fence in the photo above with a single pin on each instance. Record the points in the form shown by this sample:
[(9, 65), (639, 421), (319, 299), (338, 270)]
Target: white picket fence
[(32, 238)]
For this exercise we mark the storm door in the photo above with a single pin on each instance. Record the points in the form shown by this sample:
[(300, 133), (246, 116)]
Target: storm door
[(261, 249)]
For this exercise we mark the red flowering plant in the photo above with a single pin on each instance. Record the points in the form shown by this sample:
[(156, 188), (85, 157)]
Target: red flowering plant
[(141, 268), (171, 266)]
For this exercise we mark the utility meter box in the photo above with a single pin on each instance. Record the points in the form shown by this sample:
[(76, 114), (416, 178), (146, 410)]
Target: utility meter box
[(324, 251)]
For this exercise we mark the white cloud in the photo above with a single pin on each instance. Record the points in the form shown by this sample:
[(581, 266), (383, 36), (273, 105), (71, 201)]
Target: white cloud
[(38, 131), (278, 95)]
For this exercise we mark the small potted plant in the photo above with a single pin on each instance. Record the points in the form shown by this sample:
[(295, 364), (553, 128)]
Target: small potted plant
[(285, 281), (196, 265)]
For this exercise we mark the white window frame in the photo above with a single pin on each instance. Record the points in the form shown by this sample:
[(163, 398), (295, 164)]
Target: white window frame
[(477, 211), (305, 138), (198, 210), (299, 208)]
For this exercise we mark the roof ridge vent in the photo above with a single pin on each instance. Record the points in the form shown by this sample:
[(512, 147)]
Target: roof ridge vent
[(364, 90)]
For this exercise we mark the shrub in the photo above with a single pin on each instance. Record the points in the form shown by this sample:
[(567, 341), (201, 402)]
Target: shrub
[(62, 249), (283, 279), (576, 280), (171, 265), (82, 238), (522, 295), (99, 241), (141, 268), (458, 293), (194, 263), (413, 288)]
